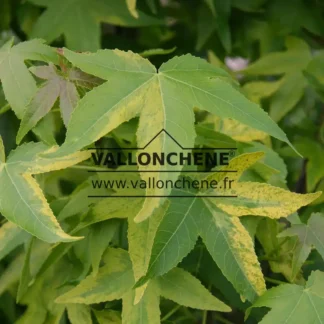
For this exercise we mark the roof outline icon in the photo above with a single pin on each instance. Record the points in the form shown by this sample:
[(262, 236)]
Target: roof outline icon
[(157, 135)]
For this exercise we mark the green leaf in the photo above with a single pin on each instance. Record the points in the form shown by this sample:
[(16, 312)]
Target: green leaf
[(25, 274), (288, 95), (140, 240), (296, 58), (282, 253), (18, 84), (294, 304), (100, 236), (313, 152), (271, 158), (157, 51), (22, 201), (309, 235), (56, 86), (232, 248), (131, 4), (214, 19), (108, 316), (181, 287), (11, 236), (146, 311), (57, 20), (113, 280), (262, 199), (183, 82), (257, 90), (176, 236), (234, 129), (79, 314)]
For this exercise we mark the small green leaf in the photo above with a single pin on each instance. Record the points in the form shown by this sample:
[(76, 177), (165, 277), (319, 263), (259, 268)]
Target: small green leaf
[(15, 75), (79, 314), (55, 87), (113, 280), (100, 236), (309, 235), (292, 304), (107, 316), (181, 287)]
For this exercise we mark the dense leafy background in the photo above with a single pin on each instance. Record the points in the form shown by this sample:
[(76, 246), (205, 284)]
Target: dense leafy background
[(258, 258)]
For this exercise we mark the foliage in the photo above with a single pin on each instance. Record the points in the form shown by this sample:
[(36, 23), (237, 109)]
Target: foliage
[(75, 251)]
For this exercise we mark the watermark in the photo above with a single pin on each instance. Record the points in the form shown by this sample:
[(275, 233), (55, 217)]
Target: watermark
[(173, 171)]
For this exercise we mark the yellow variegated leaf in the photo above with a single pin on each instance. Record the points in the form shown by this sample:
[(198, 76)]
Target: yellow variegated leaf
[(164, 101), (238, 164), (131, 4), (140, 238), (79, 314), (235, 129), (256, 90), (146, 311), (22, 200), (262, 199), (225, 237), (107, 316), (11, 236), (232, 248), (113, 280)]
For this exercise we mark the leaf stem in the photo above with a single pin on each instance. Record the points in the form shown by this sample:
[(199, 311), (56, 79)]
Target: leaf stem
[(171, 312), (204, 319), (221, 319), (4, 108), (275, 281)]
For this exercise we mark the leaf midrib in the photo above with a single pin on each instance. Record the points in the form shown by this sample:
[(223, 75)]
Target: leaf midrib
[(219, 98)]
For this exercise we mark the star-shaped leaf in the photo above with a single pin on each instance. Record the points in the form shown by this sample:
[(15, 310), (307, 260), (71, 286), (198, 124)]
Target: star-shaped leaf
[(79, 21), (22, 200), (164, 100), (56, 86), (308, 235), (292, 304), (225, 237)]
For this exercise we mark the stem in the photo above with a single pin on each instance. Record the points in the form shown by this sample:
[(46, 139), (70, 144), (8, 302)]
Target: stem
[(4, 109), (204, 319), (172, 311), (222, 319), (274, 281)]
